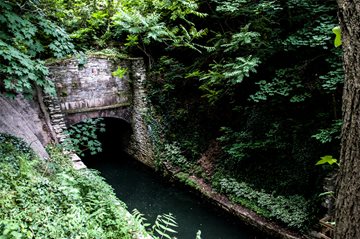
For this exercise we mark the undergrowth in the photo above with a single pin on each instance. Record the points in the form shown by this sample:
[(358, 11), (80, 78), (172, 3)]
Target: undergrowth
[(49, 199), (293, 211)]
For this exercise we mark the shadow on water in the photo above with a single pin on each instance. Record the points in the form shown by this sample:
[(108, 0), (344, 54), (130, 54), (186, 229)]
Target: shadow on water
[(142, 188)]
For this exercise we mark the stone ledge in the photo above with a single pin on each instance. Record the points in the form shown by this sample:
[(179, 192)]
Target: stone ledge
[(100, 55), (119, 105)]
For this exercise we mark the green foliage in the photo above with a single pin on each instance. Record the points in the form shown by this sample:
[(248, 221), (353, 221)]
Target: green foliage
[(328, 159), (293, 82), (81, 59), (286, 83), (49, 199), (27, 36), (236, 71), (334, 78), (328, 135), (83, 137), (229, 72), (164, 226), (136, 24), (226, 75), (88, 22), (245, 37), (139, 217), (142, 23), (269, 73), (337, 31), (240, 145), (172, 154), (120, 72), (187, 180), (291, 210), (314, 34), (246, 7)]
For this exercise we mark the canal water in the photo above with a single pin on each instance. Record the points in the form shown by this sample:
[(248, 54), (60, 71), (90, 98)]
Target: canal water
[(142, 188)]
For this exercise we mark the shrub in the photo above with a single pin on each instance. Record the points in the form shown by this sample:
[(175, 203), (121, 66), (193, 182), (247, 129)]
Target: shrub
[(49, 199), (291, 210)]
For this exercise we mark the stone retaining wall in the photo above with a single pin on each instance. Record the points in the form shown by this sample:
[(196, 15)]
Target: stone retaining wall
[(91, 91)]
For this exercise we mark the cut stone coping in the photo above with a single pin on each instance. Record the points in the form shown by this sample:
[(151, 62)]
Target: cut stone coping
[(53, 61), (74, 111)]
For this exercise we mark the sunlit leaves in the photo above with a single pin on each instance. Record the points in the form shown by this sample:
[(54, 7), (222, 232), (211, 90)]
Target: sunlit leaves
[(120, 72), (149, 27), (337, 32), (328, 159), (60, 45), (21, 71)]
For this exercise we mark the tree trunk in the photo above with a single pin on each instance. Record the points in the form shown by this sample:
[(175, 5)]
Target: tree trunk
[(348, 184)]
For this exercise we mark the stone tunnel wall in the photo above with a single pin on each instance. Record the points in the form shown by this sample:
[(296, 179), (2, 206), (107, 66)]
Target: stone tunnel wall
[(140, 144), (92, 91)]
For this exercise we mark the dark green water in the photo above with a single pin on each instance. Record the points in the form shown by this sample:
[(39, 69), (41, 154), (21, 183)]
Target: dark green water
[(141, 188)]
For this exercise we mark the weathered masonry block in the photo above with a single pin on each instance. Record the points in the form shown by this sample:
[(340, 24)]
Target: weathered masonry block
[(92, 91)]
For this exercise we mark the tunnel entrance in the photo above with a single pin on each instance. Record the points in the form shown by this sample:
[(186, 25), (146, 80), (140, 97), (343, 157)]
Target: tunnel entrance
[(114, 142)]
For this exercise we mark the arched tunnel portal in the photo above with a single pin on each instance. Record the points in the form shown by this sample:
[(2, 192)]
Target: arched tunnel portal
[(92, 91), (115, 141)]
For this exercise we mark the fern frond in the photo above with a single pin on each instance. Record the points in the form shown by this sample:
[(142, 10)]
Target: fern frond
[(164, 225)]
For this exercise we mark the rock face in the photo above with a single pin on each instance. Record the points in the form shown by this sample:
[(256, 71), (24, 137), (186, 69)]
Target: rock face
[(23, 118)]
